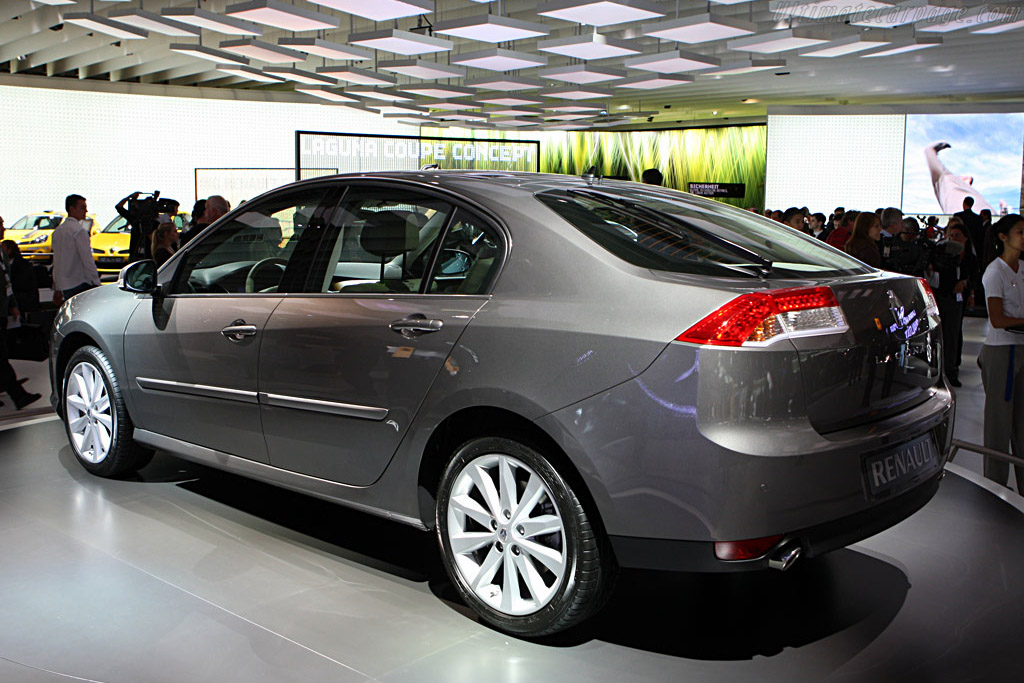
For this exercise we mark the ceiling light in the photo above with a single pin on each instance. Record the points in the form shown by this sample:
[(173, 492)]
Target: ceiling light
[(588, 46), (574, 107), (898, 47), (95, 22), (907, 12), (504, 83), (568, 117), (282, 16), (324, 93), (326, 49), (746, 66), (373, 93), (653, 81), (490, 28), (380, 10), (824, 9), (247, 72), (968, 18), (849, 45), (779, 41), (422, 69), (56, 2), (448, 105), (583, 73), (600, 12), (202, 18), (514, 123), (400, 42), (299, 76), (265, 52), (515, 111), (437, 90), (508, 100), (700, 28), (577, 93), (148, 21), (1003, 26), (352, 74), (207, 53), (498, 59), (399, 109), (672, 62)]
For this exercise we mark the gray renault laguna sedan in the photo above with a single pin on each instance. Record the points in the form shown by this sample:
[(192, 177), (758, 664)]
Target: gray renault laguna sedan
[(559, 375)]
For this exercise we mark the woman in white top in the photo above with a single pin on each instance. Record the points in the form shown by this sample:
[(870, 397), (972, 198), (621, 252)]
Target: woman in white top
[(1002, 356)]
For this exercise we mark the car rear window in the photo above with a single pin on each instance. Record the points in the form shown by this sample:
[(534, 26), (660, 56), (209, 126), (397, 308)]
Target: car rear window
[(670, 231)]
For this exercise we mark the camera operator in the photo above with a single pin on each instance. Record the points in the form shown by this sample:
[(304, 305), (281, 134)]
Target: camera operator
[(143, 215), (908, 251)]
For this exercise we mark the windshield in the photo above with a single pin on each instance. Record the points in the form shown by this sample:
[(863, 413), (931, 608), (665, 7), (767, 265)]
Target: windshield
[(674, 232), (119, 224)]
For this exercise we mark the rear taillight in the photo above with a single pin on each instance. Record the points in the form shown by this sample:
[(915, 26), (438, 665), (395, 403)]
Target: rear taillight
[(762, 318), (929, 296)]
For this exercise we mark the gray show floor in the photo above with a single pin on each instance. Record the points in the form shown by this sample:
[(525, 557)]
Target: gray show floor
[(189, 574)]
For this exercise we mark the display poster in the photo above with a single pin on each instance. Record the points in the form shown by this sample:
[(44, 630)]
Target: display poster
[(369, 153), (948, 157), (241, 184), (735, 190)]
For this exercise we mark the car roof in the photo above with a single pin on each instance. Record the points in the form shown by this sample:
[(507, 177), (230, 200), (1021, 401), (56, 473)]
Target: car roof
[(527, 181)]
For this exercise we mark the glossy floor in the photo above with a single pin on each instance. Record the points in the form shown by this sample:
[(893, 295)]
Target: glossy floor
[(188, 574)]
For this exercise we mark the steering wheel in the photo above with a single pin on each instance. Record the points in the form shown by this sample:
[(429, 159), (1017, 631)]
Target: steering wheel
[(263, 264)]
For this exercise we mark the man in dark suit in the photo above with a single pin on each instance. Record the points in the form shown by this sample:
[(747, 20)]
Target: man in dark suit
[(9, 307), (973, 223)]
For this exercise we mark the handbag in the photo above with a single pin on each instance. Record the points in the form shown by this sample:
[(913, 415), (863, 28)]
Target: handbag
[(28, 342)]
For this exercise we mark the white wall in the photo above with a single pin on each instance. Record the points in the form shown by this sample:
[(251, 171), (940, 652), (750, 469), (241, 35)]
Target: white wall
[(106, 145), (825, 161)]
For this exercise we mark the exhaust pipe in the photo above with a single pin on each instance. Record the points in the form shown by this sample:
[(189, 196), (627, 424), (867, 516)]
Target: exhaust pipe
[(783, 558)]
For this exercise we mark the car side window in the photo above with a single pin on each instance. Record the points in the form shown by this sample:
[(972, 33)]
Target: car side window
[(384, 241), (253, 252), (469, 257)]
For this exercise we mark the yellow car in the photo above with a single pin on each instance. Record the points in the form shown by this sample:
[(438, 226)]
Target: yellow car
[(34, 234), (110, 245)]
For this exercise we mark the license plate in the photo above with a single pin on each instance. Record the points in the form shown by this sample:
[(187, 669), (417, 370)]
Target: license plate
[(109, 261), (897, 470)]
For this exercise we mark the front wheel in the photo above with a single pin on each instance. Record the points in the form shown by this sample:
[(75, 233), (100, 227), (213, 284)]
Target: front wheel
[(96, 419), (516, 541)]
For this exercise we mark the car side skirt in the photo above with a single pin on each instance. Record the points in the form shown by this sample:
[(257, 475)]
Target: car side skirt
[(320, 488)]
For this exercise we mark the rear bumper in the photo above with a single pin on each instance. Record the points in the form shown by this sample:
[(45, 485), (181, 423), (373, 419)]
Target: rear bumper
[(699, 556)]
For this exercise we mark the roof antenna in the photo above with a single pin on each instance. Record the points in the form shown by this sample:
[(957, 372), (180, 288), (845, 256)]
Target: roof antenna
[(590, 175)]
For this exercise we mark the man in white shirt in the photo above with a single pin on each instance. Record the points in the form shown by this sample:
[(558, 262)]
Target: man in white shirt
[(74, 269)]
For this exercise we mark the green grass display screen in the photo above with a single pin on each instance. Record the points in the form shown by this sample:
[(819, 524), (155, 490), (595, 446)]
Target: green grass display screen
[(695, 155)]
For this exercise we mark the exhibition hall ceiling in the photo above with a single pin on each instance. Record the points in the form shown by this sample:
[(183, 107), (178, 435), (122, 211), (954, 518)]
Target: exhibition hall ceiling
[(521, 64)]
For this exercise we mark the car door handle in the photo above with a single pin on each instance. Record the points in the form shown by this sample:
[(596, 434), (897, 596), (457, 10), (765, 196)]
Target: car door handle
[(238, 330), (414, 326)]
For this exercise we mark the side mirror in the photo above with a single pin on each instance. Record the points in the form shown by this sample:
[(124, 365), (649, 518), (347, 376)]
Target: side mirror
[(138, 277)]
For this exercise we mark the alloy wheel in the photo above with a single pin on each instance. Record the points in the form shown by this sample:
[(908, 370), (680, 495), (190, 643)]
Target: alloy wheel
[(90, 418), (506, 535)]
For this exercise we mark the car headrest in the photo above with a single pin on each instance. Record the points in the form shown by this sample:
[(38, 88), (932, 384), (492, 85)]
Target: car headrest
[(388, 234)]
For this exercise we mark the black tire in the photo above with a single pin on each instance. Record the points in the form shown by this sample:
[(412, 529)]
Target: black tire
[(101, 434), (587, 567)]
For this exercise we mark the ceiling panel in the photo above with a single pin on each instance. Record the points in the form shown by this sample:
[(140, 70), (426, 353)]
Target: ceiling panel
[(967, 66)]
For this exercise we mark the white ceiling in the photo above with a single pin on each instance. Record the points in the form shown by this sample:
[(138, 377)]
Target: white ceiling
[(35, 41)]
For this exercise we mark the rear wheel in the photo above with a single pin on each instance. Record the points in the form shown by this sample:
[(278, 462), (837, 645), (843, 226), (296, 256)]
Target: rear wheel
[(516, 541), (97, 422)]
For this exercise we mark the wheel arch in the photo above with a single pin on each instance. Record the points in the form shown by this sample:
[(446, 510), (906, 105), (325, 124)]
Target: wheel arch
[(477, 421)]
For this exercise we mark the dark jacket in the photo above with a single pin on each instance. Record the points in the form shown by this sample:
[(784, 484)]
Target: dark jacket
[(23, 282)]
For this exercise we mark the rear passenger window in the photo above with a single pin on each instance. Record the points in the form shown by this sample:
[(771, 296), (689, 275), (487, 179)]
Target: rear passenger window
[(469, 256), (385, 241)]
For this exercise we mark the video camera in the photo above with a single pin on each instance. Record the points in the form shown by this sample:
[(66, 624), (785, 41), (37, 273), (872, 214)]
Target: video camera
[(146, 207), (913, 258)]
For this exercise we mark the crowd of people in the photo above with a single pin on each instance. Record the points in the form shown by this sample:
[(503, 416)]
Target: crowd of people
[(967, 262)]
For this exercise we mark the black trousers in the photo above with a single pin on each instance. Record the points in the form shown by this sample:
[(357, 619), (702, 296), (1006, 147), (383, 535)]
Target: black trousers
[(8, 378), (952, 313)]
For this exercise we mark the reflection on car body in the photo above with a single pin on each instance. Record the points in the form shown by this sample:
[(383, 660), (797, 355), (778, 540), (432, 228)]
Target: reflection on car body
[(558, 376)]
